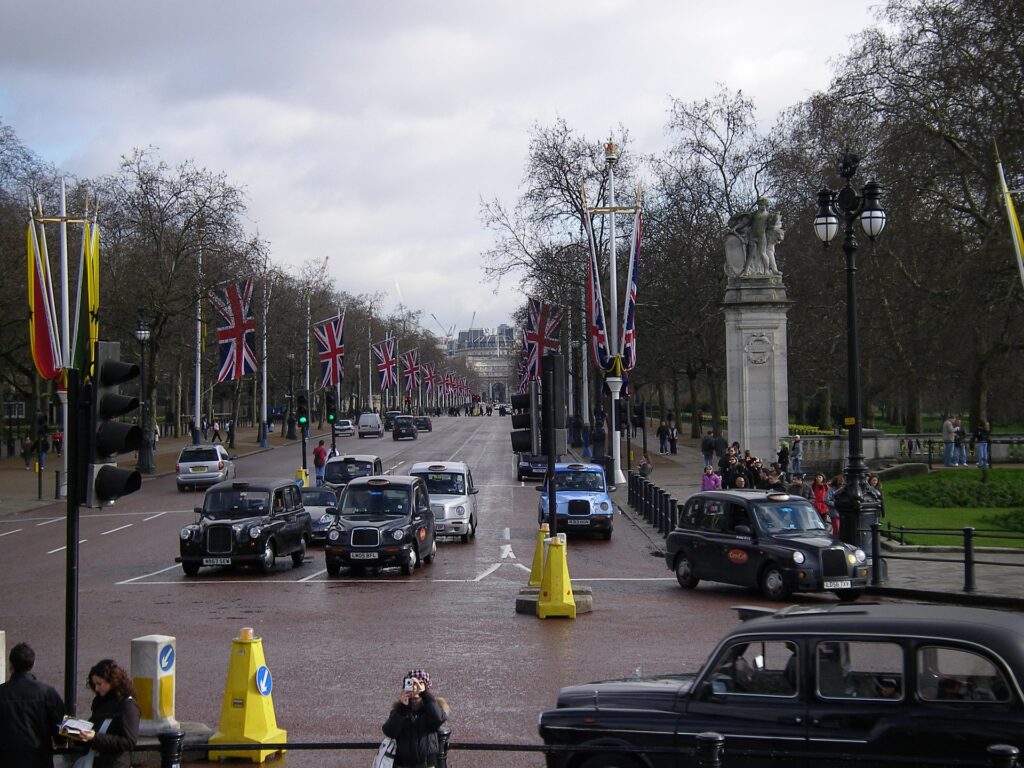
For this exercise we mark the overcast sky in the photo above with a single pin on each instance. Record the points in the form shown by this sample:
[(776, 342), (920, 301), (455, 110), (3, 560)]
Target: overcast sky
[(367, 132)]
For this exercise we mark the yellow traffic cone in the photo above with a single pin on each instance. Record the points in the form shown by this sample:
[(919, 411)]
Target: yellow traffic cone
[(556, 597), (247, 712), (537, 569)]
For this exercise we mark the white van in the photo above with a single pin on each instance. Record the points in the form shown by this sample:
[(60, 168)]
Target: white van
[(370, 424)]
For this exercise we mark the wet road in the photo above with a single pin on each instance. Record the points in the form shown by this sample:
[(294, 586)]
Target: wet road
[(338, 647)]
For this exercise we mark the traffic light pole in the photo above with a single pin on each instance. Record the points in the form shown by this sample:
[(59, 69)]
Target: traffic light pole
[(76, 443), (547, 375)]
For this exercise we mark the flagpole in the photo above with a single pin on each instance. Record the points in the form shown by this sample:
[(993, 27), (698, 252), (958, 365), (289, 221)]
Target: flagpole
[(584, 371), (197, 397), (65, 330), (611, 154), (263, 374)]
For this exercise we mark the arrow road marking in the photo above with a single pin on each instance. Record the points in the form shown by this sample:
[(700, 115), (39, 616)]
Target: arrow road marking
[(506, 552)]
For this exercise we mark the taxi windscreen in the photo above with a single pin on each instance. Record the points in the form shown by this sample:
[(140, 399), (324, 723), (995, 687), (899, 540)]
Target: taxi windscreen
[(230, 504), (343, 471), (390, 502), (579, 481), (444, 483), (793, 515)]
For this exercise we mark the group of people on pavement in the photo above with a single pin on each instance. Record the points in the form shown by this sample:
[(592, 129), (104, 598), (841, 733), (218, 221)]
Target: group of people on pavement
[(955, 443), (32, 714)]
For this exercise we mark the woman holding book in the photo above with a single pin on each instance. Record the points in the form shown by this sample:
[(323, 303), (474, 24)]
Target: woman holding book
[(115, 716)]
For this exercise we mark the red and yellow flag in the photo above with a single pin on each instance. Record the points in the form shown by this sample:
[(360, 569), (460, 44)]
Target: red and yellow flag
[(1011, 214), (42, 321)]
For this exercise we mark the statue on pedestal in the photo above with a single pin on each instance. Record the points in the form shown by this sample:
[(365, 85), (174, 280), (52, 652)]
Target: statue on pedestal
[(750, 240)]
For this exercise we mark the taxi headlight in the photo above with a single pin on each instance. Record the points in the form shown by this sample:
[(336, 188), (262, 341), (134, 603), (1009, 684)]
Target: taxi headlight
[(186, 534), (398, 534), (460, 510), (334, 535), (857, 556), (798, 557), (325, 519), (604, 506), (254, 532)]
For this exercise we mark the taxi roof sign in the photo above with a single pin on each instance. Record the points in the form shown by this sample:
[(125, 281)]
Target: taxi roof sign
[(378, 481), (437, 467)]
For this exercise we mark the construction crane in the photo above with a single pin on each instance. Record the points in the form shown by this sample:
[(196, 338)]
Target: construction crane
[(447, 334)]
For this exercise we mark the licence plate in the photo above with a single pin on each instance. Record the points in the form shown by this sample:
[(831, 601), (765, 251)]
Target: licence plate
[(578, 522), (363, 555), (216, 561), (837, 584), (197, 469)]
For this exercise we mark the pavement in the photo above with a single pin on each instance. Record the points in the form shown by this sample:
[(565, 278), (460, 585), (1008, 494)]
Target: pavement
[(926, 574), (932, 574)]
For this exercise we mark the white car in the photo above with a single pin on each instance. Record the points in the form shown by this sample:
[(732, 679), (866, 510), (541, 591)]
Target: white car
[(344, 428), (452, 497)]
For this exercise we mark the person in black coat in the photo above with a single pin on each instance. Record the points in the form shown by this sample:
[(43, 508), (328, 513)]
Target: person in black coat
[(414, 721), (30, 714), (115, 715)]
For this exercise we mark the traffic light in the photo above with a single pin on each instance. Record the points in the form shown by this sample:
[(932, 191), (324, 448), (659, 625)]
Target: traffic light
[(553, 380), (526, 421), (108, 437), (302, 407), (331, 399)]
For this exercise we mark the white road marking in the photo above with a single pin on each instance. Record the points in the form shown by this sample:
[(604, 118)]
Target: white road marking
[(488, 572), (506, 552), (153, 517), (147, 575), (313, 575), (59, 549), (115, 530), (506, 534), (47, 522), (10, 532)]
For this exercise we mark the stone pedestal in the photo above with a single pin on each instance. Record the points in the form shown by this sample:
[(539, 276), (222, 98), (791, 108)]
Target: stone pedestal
[(757, 362)]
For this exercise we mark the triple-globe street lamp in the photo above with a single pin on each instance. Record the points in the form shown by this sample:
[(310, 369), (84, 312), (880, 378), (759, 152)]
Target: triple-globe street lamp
[(858, 503), (145, 463)]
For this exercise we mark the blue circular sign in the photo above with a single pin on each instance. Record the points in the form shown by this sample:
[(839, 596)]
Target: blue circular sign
[(166, 658), (264, 681)]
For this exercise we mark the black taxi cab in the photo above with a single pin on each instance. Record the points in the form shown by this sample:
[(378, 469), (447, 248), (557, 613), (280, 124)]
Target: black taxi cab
[(837, 684), (382, 522), (771, 541), (251, 522)]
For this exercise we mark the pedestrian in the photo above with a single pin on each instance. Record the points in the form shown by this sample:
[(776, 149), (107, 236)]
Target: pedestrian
[(707, 448), (26, 450), (319, 462), (30, 714), (205, 428), (818, 490), (721, 448), (979, 444), (673, 439), (700, 419), (662, 434), (733, 471), (799, 488), (774, 483), (215, 437), (156, 436), (796, 455), (959, 444), (115, 716), (709, 481), (948, 435), (43, 447), (645, 467), (58, 442), (414, 722), (836, 483), (783, 456)]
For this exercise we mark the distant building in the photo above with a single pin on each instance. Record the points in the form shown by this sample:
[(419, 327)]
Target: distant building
[(490, 354)]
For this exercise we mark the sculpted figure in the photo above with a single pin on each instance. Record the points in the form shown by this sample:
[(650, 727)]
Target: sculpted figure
[(750, 242)]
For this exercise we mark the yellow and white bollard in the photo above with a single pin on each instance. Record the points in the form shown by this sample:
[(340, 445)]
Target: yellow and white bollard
[(556, 598), (247, 712), (153, 674), (302, 477), (537, 569)]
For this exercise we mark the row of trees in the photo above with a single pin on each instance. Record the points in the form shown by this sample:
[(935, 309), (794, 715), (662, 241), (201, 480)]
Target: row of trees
[(168, 236), (921, 99)]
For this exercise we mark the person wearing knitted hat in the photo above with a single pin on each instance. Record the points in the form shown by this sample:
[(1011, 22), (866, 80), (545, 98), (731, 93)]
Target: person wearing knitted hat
[(414, 721)]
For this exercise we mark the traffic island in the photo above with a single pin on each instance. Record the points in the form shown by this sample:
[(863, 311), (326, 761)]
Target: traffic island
[(526, 600)]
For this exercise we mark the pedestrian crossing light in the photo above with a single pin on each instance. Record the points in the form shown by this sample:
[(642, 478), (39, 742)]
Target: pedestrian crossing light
[(526, 421), (302, 406), (109, 436), (332, 405)]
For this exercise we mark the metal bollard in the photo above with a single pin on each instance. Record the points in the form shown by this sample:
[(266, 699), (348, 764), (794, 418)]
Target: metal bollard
[(709, 749), (648, 493), (876, 554), (673, 512), (444, 735), (1003, 755), (663, 514), (968, 559), (56, 487), (631, 486), (171, 747), (658, 507)]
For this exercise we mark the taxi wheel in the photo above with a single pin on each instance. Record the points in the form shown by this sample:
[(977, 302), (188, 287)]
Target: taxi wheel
[(333, 568), (773, 585), (267, 558), (848, 595), (190, 569), (433, 553), (410, 565), (684, 573), (300, 554)]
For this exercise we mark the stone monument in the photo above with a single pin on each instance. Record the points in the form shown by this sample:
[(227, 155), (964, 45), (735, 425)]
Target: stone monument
[(755, 332)]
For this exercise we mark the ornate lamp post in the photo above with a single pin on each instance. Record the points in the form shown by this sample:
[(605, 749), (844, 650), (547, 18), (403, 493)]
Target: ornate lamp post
[(359, 389), (145, 463), (290, 435), (858, 503)]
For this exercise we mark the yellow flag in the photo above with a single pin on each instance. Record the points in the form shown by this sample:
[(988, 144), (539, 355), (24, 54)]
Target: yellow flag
[(1011, 214)]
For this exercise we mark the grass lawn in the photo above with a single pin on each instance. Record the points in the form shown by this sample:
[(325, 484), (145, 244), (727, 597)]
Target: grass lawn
[(954, 498)]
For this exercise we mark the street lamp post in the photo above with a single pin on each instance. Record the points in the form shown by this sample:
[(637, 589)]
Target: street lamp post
[(858, 503), (359, 390), (290, 435), (145, 463)]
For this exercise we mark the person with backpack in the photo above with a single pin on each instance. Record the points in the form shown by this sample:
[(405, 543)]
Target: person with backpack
[(319, 462)]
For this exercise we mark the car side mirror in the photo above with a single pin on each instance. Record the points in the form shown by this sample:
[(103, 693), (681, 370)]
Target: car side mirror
[(474, 490), (199, 513), (611, 489), (331, 511), (539, 488), (743, 530)]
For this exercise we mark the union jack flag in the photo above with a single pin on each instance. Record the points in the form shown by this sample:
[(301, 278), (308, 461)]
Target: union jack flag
[(387, 364), (411, 369), (629, 316), (542, 328), (330, 345), (595, 306), (235, 336), (428, 378), (448, 383)]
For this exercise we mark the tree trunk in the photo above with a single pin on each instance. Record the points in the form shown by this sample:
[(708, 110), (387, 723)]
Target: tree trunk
[(691, 378), (825, 411), (913, 423), (716, 401), (979, 395)]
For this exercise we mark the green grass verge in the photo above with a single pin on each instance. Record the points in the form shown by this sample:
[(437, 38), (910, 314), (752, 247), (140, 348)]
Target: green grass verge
[(991, 500)]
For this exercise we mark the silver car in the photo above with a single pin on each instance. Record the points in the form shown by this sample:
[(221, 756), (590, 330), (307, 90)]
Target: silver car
[(452, 497), (200, 466)]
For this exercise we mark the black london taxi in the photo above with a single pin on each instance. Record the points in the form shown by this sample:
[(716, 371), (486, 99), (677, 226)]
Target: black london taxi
[(771, 541), (381, 522), (339, 470), (249, 522), (841, 684), (404, 426)]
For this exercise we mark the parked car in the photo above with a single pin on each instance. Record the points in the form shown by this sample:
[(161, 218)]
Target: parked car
[(370, 425), (762, 539), (582, 503), (322, 505), (249, 522), (423, 423), (841, 684), (382, 521), (403, 426), (389, 419), (530, 465), (344, 428), (200, 466), (452, 497), (339, 470)]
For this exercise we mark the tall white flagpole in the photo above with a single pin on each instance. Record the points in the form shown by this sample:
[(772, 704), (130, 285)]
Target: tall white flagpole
[(611, 154), (65, 331), (197, 401), (263, 373)]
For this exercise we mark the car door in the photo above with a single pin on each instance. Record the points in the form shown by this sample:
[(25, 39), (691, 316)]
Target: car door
[(738, 558), (291, 520), (425, 519), (471, 493), (754, 694), (707, 540)]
